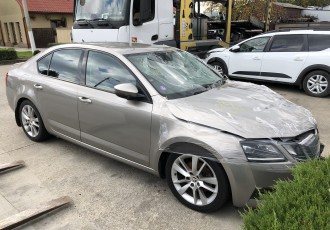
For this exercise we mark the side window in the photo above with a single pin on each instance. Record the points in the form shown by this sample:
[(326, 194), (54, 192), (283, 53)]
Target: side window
[(105, 72), (254, 45), (288, 43), (143, 11), (43, 64), (318, 42), (64, 65)]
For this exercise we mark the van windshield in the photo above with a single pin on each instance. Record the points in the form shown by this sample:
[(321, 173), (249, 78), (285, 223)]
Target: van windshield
[(112, 10), (176, 74)]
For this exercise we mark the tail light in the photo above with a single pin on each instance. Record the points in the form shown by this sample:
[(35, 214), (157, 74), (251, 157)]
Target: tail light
[(6, 79)]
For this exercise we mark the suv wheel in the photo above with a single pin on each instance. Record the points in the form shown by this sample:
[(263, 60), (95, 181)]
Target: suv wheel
[(317, 83), (219, 67), (198, 183)]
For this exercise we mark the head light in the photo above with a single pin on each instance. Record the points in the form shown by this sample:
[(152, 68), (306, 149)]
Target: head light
[(261, 152)]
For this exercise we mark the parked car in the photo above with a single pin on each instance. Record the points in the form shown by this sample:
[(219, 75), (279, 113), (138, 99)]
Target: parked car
[(297, 57), (164, 111)]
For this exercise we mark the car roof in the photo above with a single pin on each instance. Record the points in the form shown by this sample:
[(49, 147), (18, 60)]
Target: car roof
[(297, 31), (118, 47)]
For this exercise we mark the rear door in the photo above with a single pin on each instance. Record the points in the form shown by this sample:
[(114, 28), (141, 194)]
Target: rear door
[(246, 62), (56, 88), (285, 59), (109, 122)]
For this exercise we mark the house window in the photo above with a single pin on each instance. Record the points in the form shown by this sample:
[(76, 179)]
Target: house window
[(7, 32), (19, 32), (58, 23), (13, 32)]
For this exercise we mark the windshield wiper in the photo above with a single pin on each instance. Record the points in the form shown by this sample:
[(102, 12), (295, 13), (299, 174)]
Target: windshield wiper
[(103, 20), (84, 21), (200, 91), (214, 84)]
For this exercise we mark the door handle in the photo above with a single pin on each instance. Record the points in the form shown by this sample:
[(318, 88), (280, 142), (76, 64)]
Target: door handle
[(85, 100), (37, 86), (154, 37), (256, 58), (298, 59)]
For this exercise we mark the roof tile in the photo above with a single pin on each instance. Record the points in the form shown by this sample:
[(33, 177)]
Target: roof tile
[(49, 6)]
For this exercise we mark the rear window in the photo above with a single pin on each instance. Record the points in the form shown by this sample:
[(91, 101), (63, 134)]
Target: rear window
[(288, 43), (64, 65), (318, 42)]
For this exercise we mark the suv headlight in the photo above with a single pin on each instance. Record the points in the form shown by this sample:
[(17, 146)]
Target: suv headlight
[(257, 151)]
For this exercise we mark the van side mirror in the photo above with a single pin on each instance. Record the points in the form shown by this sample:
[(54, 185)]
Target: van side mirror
[(235, 48)]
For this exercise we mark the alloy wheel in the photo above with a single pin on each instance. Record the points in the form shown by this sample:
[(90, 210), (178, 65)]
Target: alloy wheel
[(194, 179), (317, 84), (30, 121), (218, 69)]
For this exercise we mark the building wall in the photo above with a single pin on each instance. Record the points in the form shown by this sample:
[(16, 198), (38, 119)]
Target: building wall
[(42, 20), (293, 13), (10, 12), (322, 15), (12, 17)]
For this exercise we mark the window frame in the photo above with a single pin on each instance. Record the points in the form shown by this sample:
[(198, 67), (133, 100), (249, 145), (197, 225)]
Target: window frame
[(304, 49), (79, 76), (139, 84)]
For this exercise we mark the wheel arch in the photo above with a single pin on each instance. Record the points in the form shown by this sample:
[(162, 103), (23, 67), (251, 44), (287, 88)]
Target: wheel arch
[(309, 69), (18, 105), (184, 148)]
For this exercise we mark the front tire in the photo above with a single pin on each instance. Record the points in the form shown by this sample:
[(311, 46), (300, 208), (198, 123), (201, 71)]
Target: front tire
[(32, 123), (198, 183), (219, 67), (317, 83)]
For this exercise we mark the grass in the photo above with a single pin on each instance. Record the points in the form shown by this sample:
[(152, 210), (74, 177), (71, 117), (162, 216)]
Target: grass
[(24, 54)]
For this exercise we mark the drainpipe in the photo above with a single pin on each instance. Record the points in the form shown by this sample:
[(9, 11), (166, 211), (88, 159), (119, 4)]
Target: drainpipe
[(28, 24)]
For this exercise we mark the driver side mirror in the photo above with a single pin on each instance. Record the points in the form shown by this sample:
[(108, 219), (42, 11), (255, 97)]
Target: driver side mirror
[(127, 91), (235, 48)]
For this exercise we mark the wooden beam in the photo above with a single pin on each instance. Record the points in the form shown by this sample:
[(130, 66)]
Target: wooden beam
[(13, 165), (33, 213)]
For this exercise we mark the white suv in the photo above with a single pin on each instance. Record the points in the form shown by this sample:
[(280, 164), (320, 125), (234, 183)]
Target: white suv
[(297, 57)]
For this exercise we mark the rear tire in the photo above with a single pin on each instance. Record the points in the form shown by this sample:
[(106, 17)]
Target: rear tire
[(31, 122), (198, 183), (317, 83)]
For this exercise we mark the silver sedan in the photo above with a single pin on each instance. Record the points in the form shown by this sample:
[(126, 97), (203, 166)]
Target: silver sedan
[(164, 111)]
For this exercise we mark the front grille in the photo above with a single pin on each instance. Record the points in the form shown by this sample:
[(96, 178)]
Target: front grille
[(306, 147)]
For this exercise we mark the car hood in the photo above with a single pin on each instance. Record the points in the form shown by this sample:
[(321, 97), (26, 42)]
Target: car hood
[(217, 50), (244, 109)]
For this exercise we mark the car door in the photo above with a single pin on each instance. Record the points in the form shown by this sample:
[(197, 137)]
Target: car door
[(246, 62), (56, 87), (109, 122), (285, 59)]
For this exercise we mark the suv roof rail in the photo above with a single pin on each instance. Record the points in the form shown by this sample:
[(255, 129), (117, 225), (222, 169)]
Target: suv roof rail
[(296, 29)]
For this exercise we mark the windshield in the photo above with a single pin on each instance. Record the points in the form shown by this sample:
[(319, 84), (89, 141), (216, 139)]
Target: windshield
[(175, 74), (114, 10)]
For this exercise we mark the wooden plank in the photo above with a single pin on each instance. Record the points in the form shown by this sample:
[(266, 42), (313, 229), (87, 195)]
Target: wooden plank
[(33, 213), (13, 165)]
